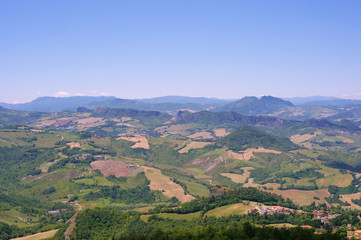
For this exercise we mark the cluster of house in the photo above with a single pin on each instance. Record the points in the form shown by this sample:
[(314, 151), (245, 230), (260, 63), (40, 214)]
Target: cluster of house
[(84, 156), (57, 211), (270, 210), (324, 216), (356, 234)]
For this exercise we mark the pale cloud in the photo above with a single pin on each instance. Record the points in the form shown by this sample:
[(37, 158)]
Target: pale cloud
[(61, 94), (105, 94), (79, 94), (351, 95)]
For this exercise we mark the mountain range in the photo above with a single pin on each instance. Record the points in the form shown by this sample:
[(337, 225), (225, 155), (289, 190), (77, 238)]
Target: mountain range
[(295, 108)]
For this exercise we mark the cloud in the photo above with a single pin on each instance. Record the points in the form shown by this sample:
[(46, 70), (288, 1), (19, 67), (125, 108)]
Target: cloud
[(61, 94), (105, 94), (79, 94)]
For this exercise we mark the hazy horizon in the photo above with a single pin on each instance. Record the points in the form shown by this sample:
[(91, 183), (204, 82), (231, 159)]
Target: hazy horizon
[(142, 49), (229, 99)]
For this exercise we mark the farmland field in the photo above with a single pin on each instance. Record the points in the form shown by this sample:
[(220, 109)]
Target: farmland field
[(163, 183)]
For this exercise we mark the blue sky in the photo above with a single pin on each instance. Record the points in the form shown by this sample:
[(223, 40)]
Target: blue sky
[(138, 49)]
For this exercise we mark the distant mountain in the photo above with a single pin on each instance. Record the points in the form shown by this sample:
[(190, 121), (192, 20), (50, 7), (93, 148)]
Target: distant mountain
[(184, 99), (255, 106), (322, 101), (54, 104), (335, 102), (138, 105), (58, 104), (306, 100)]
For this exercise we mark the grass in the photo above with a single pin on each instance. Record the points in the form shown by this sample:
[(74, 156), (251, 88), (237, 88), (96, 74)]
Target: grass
[(196, 188), (197, 172), (303, 197), (224, 211), (193, 145), (11, 217), (341, 180)]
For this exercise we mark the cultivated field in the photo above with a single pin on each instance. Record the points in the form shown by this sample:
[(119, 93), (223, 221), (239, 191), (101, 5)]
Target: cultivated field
[(237, 209), (303, 197), (125, 124), (116, 168), (304, 137), (348, 198), (234, 155), (163, 183), (140, 141), (220, 132), (73, 145), (175, 129), (239, 178), (248, 153), (341, 180), (201, 135), (89, 120), (345, 139), (193, 145)]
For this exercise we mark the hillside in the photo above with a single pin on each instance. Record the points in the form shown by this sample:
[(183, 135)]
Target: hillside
[(134, 159)]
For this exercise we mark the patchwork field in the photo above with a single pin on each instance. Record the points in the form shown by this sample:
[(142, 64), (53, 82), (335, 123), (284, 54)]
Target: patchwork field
[(163, 183)]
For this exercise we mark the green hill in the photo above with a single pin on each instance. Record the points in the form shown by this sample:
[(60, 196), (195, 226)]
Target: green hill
[(250, 137)]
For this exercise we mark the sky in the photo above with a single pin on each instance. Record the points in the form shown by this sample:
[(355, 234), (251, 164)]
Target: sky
[(209, 48)]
